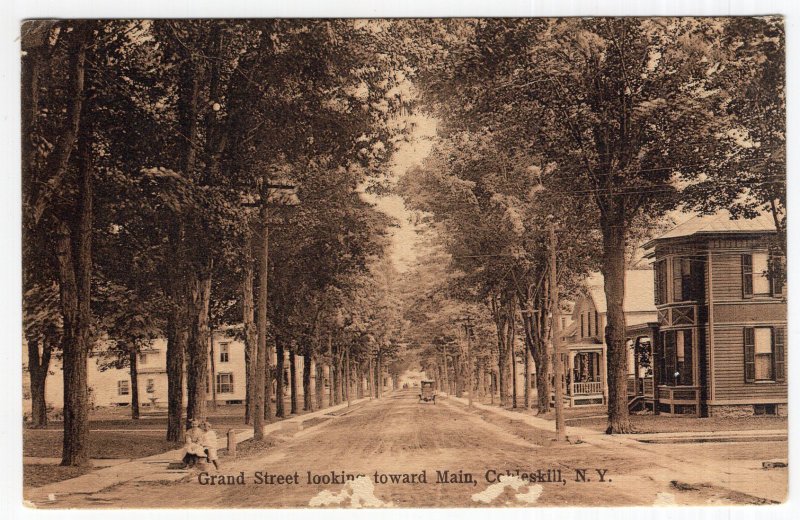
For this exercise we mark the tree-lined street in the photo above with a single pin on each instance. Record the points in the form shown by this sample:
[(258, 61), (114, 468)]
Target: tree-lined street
[(399, 436), (359, 206)]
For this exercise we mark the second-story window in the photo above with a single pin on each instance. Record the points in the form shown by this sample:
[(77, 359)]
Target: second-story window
[(681, 279), (660, 274), (224, 351), (757, 277), (596, 323)]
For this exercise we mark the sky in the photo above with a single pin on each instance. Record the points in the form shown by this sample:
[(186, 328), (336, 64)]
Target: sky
[(409, 154)]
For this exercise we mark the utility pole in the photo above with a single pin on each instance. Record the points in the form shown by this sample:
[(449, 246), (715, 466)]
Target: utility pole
[(556, 332), (262, 386)]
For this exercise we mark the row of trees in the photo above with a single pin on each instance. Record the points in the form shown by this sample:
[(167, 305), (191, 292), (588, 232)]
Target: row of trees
[(145, 144), (600, 127)]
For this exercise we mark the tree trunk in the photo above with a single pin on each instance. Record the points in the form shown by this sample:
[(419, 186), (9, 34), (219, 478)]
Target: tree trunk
[(179, 290), (359, 381), (38, 367), (279, 375), (250, 332), (134, 368), (55, 169), (319, 383), (330, 384), (379, 374), (336, 381), (613, 269), (481, 391), (457, 375), (542, 354), (527, 377), (197, 351), (307, 401), (177, 337), (213, 362), (75, 277), (292, 383)]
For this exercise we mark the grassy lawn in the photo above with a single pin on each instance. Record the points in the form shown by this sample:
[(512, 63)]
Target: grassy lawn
[(102, 445), (594, 417), (136, 442), (666, 424), (37, 475)]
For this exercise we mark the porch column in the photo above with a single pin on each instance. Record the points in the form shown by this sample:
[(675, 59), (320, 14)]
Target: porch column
[(571, 375)]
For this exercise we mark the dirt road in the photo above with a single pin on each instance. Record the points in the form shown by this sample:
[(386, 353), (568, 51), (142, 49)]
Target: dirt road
[(397, 452)]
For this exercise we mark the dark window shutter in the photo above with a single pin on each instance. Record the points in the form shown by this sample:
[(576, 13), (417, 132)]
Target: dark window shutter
[(749, 355), (779, 337), (669, 357), (777, 274), (747, 276), (657, 283), (677, 280), (231, 380), (687, 375)]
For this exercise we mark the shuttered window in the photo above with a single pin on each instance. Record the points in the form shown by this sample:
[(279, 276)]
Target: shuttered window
[(761, 280), (596, 323), (764, 354), (224, 383)]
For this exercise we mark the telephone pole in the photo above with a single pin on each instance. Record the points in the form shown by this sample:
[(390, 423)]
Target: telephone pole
[(556, 332), (262, 387)]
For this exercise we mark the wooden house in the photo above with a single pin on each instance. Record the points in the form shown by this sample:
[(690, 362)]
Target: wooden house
[(585, 349), (719, 340)]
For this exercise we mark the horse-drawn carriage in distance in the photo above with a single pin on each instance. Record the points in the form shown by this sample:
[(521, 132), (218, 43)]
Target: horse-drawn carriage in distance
[(427, 392)]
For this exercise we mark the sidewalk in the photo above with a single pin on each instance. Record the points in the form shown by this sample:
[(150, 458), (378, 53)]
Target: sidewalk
[(670, 464), (154, 467)]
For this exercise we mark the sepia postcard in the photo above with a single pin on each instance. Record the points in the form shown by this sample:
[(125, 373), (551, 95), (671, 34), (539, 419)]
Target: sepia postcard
[(395, 263)]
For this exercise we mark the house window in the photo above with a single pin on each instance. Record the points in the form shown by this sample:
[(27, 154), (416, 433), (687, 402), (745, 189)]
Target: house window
[(676, 363), (660, 274), (757, 277), (583, 330), (563, 323), (225, 383), (151, 386), (764, 354), (761, 282), (224, 350), (123, 387), (682, 279), (142, 359), (596, 324), (588, 323)]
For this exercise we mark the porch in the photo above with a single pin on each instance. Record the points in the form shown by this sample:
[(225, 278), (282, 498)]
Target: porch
[(584, 375)]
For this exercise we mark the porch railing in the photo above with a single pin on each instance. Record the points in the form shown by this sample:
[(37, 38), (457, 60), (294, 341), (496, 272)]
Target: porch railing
[(588, 388)]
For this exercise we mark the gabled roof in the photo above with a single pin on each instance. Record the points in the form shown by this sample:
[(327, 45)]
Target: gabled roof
[(720, 222), (639, 296)]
